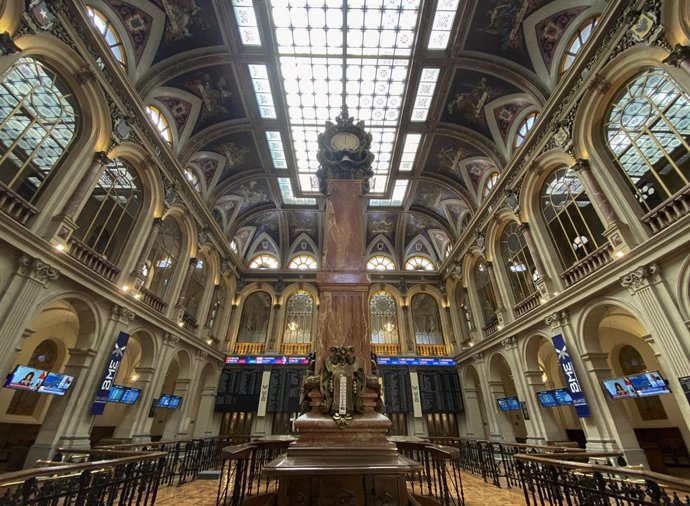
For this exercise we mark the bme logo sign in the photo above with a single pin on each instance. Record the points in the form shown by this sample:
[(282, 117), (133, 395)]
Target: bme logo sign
[(571, 380), (109, 373)]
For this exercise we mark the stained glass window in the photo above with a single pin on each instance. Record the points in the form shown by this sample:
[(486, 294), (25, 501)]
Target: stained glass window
[(160, 123), (573, 223), (524, 129), (380, 263), (409, 151), (443, 24), (425, 94), (38, 122), (263, 261), (578, 40), (298, 318), (106, 221), (383, 317), (246, 22), (107, 31), (648, 131), (419, 263), (303, 262)]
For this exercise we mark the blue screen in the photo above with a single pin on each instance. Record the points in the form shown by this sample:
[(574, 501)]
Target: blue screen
[(508, 404), (174, 401), (649, 383), (115, 393), (563, 397), (55, 383), (130, 395), (164, 401), (547, 399)]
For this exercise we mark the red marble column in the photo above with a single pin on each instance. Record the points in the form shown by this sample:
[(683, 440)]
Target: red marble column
[(343, 281)]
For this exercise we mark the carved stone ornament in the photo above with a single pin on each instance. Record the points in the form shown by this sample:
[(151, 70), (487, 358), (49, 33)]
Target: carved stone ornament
[(37, 270), (201, 355), (171, 195), (456, 273), (7, 45), (512, 199), (645, 25), (121, 315), (171, 339), (678, 56), (202, 236), (41, 14), (480, 241), (561, 136), (509, 342), (344, 152), (557, 319), (641, 277), (121, 128)]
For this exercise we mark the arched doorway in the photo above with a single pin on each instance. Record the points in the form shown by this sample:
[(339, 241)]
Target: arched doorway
[(502, 385), (476, 421)]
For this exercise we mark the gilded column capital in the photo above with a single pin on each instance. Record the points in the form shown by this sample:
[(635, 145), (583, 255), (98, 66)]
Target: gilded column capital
[(37, 270), (557, 319), (642, 277)]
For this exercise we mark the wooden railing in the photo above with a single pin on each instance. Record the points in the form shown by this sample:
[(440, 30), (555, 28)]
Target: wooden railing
[(670, 211), (92, 259), (14, 206), (249, 348), (152, 300), (529, 303), (591, 263), (386, 349), (295, 348), (432, 350)]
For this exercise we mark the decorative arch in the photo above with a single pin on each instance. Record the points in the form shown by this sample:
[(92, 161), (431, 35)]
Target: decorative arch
[(303, 244)]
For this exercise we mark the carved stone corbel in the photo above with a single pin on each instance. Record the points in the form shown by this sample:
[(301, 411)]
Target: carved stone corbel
[(679, 55), (640, 278), (121, 315), (7, 45), (37, 270), (557, 319)]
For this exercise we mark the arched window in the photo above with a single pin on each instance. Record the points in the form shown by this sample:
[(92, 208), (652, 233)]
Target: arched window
[(160, 123), (44, 357), (573, 224), (426, 320), (576, 42), (233, 246), (197, 286), (380, 263), (108, 218), (193, 179), (485, 292), (631, 362), (38, 123), (648, 131), (383, 318), (303, 262), (524, 129), (162, 260), (255, 316), (490, 184), (107, 31), (263, 261), (518, 262), (300, 307), (419, 263)]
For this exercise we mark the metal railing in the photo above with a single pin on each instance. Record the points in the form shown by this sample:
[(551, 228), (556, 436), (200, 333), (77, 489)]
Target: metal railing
[(546, 480), (113, 477)]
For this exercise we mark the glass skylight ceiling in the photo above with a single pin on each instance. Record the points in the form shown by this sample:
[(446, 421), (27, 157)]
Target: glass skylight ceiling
[(397, 197), (289, 196), (316, 40), (246, 21), (425, 94), (262, 90), (275, 146), (443, 24)]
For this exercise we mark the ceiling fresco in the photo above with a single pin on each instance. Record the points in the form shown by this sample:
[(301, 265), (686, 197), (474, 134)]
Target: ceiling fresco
[(215, 75)]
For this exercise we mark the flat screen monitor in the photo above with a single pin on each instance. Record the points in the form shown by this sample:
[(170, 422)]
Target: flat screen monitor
[(175, 401), (115, 393), (620, 388), (55, 383), (563, 397), (164, 401), (547, 399), (25, 378), (508, 404), (649, 383), (130, 395)]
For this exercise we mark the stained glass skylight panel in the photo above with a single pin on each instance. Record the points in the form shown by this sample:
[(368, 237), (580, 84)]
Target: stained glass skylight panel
[(396, 199), (289, 196), (246, 22), (409, 151), (312, 56), (275, 146), (425, 94), (262, 90), (443, 24)]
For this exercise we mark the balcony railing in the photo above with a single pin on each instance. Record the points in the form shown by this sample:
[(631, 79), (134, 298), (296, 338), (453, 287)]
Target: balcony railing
[(387, 349), (432, 350), (591, 263), (249, 348), (15, 206), (670, 211), (490, 326), (152, 300), (189, 322), (295, 348), (92, 259), (529, 303)]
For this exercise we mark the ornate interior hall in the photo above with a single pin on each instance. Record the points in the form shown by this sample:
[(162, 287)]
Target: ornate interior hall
[(244, 239)]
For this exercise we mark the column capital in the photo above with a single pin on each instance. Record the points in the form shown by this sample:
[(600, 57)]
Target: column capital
[(557, 319), (37, 270), (679, 55), (641, 277), (193, 262), (7, 45), (201, 355), (523, 227), (101, 157), (170, 339), (581, 165), (478, 357), (157, 222), (121, 315), (509, 343)]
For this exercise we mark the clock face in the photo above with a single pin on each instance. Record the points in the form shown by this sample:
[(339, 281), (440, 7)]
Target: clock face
[(344, 141)]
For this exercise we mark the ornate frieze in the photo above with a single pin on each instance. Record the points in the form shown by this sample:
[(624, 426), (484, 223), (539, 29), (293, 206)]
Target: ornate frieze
[(37, 270), (641, 277)]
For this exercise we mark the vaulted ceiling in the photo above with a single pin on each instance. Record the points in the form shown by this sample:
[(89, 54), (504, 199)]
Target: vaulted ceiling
[(192, 60)]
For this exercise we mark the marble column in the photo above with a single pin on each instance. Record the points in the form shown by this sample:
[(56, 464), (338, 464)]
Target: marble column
[(20, 305), (500, 305), (616, 231)]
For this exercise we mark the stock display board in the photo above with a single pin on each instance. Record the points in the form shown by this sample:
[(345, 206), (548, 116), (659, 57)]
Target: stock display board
[(239, 389), (284, 390), (439, 391), (397, 391)]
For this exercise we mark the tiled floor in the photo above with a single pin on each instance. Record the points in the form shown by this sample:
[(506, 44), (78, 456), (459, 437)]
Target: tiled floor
[(203, 493)]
